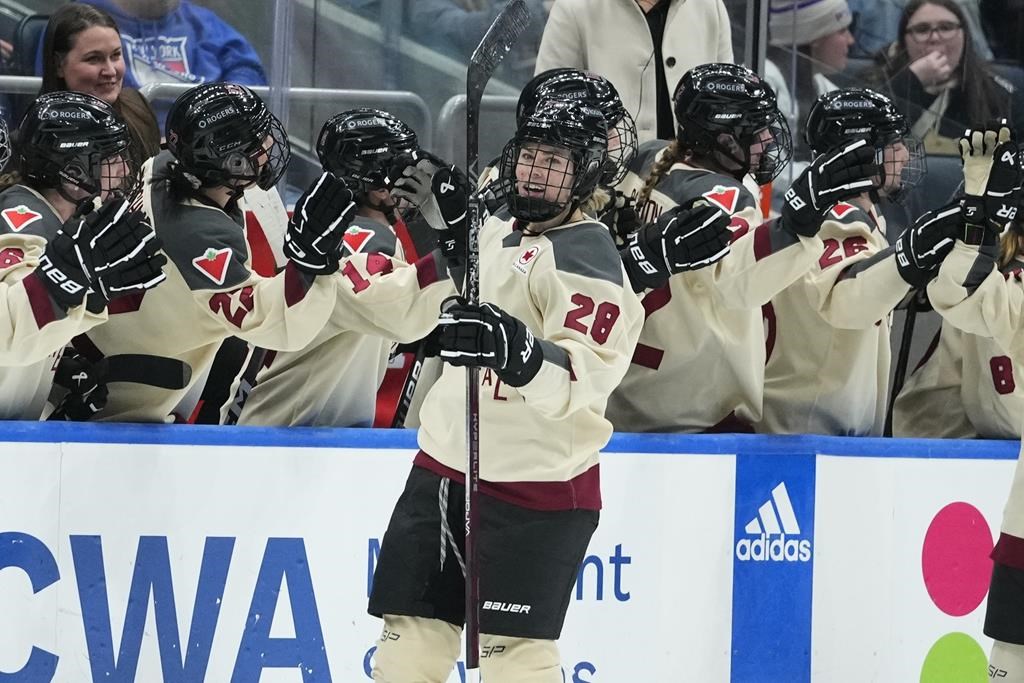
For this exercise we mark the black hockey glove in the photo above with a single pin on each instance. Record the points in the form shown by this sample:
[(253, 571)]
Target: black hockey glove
[(450, 188), (318, 224), (86, 393), (840, 173), (921, 247), (681, 239), (110, 250), (992, 179), (486, 336), (621, 217)]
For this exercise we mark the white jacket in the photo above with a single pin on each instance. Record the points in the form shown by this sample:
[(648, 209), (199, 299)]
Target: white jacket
[(611, 38)]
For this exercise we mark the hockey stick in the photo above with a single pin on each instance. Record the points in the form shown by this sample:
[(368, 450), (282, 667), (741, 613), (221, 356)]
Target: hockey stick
[(900, 373), (496, 43)]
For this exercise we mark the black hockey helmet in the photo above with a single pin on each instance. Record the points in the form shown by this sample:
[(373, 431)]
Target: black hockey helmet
[(70, 138), (728, 109), (361, 144), (596, 91), (223, 135), (555, 159), (851, 114)]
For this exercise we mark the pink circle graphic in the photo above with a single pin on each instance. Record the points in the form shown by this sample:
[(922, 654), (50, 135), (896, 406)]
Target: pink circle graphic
[(954, 559)]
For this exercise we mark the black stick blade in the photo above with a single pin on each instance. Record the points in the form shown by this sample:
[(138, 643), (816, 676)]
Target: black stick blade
[(496, 43)]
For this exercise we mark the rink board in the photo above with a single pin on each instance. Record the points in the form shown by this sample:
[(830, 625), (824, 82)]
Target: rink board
[(718, 558)]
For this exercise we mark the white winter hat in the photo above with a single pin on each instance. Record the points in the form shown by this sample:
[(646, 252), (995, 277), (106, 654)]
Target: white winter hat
[(799, 22)]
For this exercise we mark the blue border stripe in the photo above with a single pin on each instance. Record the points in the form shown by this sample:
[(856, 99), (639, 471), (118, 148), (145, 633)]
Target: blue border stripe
[(312, 437)]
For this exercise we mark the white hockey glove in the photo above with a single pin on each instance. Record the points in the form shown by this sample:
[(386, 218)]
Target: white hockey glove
[(838, 174), (992, 181), (318, 224), (411, 178)]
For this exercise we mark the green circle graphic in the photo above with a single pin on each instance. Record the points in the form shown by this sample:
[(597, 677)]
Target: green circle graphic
[(955, 658)]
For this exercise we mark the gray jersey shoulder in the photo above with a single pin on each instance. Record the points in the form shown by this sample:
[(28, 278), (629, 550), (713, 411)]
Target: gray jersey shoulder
[(24, 213), (586, 249), (685, 185), (206, 244)]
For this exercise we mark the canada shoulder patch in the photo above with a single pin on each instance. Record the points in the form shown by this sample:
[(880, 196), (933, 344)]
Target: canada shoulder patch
[(214, 264), (20, 217), (725, 198), (525, 258), (842, 208), (355, 238)]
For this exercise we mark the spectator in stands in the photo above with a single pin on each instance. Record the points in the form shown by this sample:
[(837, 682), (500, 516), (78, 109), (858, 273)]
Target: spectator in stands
[(175, 41), (875, 22), (809, 43), (82, 53), (642, 46), (935, 75)]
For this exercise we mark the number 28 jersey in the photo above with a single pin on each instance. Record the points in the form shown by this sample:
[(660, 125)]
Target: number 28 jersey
[(568, 286)]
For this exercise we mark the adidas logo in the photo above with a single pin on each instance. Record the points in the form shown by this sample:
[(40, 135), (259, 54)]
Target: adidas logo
[(775, 521)]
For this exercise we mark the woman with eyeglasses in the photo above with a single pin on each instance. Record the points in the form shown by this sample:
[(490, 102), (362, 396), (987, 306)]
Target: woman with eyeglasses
[(935, 75)]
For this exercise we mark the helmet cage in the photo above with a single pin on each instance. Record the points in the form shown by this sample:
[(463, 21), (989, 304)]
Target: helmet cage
[(72, 140), (227, 138), (561, 150)]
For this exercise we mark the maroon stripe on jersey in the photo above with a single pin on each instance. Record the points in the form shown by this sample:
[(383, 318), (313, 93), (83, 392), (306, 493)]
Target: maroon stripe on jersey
[(1009, 551), (126, 304), (582, 492), (647, 356), (655, 299), (427, 270), (295, 285), (43, 308), (762, 241)]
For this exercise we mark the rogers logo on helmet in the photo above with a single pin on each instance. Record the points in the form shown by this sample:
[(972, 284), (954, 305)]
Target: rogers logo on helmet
[(213, 118), (366, 123), (65, 114), (854, 104), (726, 87)]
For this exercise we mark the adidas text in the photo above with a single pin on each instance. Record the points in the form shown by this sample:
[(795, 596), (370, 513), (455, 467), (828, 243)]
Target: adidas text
[(773, 549)]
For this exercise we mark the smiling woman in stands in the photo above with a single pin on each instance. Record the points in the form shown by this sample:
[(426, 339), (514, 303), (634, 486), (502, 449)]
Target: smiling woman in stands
[(82, 53)]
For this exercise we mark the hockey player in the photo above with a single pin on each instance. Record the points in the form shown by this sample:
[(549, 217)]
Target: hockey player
[(221, 139), (358, 146), (553, 336), (965, 386), (63, 255), (973, 295), (828, 367), (704, 328)]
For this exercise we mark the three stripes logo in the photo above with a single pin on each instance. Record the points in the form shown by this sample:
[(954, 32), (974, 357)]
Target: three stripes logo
[(772, 533)]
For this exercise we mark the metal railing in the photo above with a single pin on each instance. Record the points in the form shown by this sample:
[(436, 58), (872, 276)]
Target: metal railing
[(423, 125), (20, 85), (451, 124)]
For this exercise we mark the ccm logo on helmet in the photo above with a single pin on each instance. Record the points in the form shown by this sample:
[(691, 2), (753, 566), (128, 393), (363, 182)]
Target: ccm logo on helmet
[(213, 118), (513, 607)]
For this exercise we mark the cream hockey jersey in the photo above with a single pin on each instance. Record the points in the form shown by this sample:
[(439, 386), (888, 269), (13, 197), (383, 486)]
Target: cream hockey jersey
[(211, 293), (701, 355), (33, 328), (966, 386), (568, 286), (333, 381), (829, 355)]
